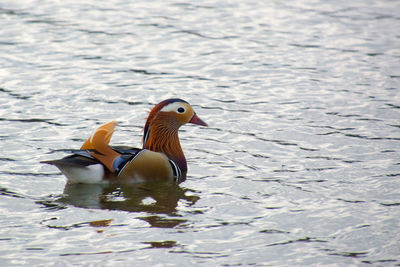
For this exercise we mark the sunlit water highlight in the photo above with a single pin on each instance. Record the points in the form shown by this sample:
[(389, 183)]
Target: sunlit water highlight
[(300, 164)]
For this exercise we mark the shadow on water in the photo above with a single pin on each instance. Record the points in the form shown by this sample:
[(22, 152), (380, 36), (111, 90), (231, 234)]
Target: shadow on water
[(156, 200)]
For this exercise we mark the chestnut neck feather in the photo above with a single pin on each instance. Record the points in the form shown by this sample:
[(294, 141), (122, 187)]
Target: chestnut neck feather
[(161, 135)]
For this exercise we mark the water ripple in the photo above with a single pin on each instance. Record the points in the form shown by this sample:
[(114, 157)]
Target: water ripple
[(299, 165)]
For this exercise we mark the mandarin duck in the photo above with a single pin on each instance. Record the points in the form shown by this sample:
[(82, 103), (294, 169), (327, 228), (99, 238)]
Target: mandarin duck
[(160, 159)]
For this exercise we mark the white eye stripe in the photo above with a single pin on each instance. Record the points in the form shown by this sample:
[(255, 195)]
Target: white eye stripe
[(176, 106)]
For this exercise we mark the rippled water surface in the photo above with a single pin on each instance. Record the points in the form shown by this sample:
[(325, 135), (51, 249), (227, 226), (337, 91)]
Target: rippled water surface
[(300, 164)]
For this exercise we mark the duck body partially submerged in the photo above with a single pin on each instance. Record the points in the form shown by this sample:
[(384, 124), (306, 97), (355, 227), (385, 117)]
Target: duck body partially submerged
[(161, 158)]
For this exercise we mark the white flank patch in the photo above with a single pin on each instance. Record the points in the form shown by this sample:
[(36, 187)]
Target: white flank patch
[(92, 174)]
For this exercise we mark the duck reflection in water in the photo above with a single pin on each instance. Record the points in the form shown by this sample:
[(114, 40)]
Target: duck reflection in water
[(155, 199), (133, 179)]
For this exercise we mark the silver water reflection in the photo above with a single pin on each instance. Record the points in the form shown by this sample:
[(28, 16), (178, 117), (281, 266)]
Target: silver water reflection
[(300, 164)]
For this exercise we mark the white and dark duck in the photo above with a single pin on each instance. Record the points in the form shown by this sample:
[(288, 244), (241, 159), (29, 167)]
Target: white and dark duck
[(160, 159)]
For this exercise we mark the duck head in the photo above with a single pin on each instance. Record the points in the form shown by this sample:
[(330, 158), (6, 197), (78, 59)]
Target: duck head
[(162, 125)]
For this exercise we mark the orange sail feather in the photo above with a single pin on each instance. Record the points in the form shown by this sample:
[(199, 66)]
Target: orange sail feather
[(98, 144)]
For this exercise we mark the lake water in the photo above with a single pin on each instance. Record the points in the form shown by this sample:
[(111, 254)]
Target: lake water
[(301, 162)]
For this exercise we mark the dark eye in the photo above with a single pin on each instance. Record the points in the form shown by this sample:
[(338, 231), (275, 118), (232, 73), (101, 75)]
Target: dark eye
[(181, 110)]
